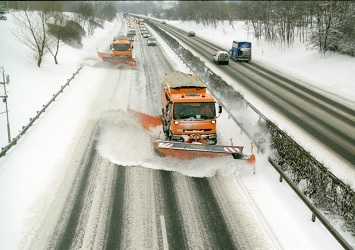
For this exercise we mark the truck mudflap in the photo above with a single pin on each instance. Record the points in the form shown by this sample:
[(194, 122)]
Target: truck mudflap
[(117, 60), (188, 151)]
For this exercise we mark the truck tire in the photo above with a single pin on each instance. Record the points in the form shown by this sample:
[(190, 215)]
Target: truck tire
[(168, 134)]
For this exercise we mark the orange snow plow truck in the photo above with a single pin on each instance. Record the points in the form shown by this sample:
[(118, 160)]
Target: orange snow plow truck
[(121, 52), (188, 121)]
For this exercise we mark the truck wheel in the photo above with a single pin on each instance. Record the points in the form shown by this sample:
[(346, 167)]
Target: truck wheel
[(168, 135)]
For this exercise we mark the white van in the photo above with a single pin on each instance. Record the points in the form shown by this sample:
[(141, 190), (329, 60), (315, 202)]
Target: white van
[(221, 57)]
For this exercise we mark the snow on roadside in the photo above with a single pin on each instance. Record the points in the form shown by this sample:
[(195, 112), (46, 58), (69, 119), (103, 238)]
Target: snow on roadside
[(31, 87)]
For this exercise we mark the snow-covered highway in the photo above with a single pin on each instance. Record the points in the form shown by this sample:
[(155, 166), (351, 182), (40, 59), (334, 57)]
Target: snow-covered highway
[(85, 175)]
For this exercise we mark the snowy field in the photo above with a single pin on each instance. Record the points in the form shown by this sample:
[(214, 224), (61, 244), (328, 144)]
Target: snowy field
[(32, 87)]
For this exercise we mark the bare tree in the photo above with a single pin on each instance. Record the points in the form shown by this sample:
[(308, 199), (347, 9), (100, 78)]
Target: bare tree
[(55, 23), (84, 13), (31, 30)]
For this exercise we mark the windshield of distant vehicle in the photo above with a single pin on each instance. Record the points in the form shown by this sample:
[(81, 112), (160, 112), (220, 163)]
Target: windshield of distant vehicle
[(121, 47), (197, 110)]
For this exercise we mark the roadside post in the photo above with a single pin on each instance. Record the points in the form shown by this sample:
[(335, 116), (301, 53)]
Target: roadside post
[(6, 80)]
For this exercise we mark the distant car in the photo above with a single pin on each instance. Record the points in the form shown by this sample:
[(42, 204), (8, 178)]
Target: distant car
[(3, 18), (146, 34), (133, 31), (191, 33), (143, 30), (221, 57), (152, 41), (163, 22), (130, 35)]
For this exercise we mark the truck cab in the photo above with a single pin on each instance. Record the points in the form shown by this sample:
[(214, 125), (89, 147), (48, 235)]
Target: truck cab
[(122, 47), (187, 108)]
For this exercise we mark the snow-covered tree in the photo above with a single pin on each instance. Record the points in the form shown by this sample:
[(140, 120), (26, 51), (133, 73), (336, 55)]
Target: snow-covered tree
[(327, 32)]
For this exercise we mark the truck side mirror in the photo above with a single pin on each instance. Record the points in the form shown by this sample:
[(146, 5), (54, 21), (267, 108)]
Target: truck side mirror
[(111, 47), (219, 109), (132, 46)]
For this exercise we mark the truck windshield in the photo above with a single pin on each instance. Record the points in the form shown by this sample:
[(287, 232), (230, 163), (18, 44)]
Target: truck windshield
[(197, 110), (121, 47)]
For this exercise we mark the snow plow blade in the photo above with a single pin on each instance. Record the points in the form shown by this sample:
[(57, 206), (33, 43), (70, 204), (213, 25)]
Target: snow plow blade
[(148, 121), (188, 151), (117, 60)]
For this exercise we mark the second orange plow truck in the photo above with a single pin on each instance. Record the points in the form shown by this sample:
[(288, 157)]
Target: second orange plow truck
[(121, 52), (188, 121)]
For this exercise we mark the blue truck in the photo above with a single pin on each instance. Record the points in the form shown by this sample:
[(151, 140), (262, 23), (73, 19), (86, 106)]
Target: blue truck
[(241, 51)]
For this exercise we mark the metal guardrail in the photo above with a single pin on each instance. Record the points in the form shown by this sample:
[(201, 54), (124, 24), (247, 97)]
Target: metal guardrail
[(32, 120), (315, 212)]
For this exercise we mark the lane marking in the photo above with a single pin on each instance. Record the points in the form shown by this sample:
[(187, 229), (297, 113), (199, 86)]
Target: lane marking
[(163, 232)]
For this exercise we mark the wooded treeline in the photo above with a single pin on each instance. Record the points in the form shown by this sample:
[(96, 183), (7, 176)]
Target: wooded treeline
[(323, 25), (44, 25)]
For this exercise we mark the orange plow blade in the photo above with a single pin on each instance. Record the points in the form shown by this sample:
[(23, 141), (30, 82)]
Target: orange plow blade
[(188, 151), (117, 60), (102, 55), (148, 121)]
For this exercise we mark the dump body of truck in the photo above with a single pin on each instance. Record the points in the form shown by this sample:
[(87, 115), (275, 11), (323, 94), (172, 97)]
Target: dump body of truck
[(241, 51), (187, 108), (121, 52)]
